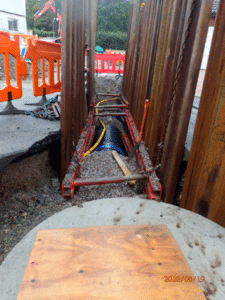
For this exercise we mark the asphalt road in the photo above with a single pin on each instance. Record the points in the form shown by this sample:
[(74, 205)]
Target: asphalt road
[(19, 132)]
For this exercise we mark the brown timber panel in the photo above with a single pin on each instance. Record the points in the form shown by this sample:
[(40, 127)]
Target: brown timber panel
[(89, 62), (74, 106), (153, 92), (129, 60), (66, 90), (162, 92), (112, 262), (204, 186), (91, 41), (166, 68), (149, 36), (134, 56), (130, 44), (183, 97), (79, 105)]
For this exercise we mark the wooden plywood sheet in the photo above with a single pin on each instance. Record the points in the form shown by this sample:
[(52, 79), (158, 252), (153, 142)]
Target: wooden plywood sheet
[(111, 262)]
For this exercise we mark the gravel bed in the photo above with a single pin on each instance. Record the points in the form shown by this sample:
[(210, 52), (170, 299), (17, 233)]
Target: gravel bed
[(146, 159), (24, 210), (101, 164)]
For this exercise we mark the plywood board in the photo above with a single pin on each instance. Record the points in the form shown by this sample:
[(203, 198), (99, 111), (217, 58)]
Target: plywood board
[(110, 262)]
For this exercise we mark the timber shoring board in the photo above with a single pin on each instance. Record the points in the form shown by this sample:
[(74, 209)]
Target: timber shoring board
[(129, 59), (78, 17), (166, 71), (91, 7), (204, 185), (66, 91), (146, 44), (184, 96), (130, 37), (135, 56), (109, 262), (164, 83)]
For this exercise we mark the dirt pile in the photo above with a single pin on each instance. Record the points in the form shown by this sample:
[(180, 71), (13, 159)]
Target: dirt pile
[(12, 67), (106, 84)]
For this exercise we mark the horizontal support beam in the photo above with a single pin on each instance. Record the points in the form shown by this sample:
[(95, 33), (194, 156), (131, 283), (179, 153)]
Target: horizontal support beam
[(105, 180), (109, 106), (110, 114), (103, 94)]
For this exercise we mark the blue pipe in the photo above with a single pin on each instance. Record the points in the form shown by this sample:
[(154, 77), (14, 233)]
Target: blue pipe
[(111, 140)]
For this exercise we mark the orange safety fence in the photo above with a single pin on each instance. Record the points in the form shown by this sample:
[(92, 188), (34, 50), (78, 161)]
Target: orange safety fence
[(11, 47), (50, 53), (109, 63), (109, 51), (25, 37)]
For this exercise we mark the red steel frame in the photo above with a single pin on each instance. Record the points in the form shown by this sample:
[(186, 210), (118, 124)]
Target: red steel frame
[(150, 190), (149, 186)]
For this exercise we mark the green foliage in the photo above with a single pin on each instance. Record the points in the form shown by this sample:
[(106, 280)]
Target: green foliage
[(113, 15), (45, 22), (43, 33), (111, 40), (112, 21), (112, 24)]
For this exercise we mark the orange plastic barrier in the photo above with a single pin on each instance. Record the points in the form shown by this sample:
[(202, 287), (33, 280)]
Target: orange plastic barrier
[(41, 50), (9, 47), (108, 51), (25, 37), (109, 63)]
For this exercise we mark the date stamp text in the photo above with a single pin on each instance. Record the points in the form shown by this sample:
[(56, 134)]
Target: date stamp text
[(184, 278)]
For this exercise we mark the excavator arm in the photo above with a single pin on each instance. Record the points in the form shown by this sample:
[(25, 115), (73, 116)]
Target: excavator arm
[(49, 5)]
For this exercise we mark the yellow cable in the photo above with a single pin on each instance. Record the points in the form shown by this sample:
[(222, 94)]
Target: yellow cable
[(99, 140), (103, 131)]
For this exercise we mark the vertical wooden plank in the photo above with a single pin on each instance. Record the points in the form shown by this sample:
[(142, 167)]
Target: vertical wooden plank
[(130, 46), (204, 186), (78, 97), (157, 58), (134, 56), (74, 107), (127, 59), (158, 23), (91, 34), (143, 58), (88, 30), (143, 55), (183, 98), (66, 90), (163, 87), (146, 57), (94, 28)]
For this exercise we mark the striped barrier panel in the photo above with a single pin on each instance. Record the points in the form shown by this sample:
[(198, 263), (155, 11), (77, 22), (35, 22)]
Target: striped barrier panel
[(46, 53), (11, 47), (109, 63)]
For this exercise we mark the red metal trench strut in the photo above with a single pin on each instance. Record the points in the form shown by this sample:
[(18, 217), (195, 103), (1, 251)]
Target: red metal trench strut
[(152, 193)]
